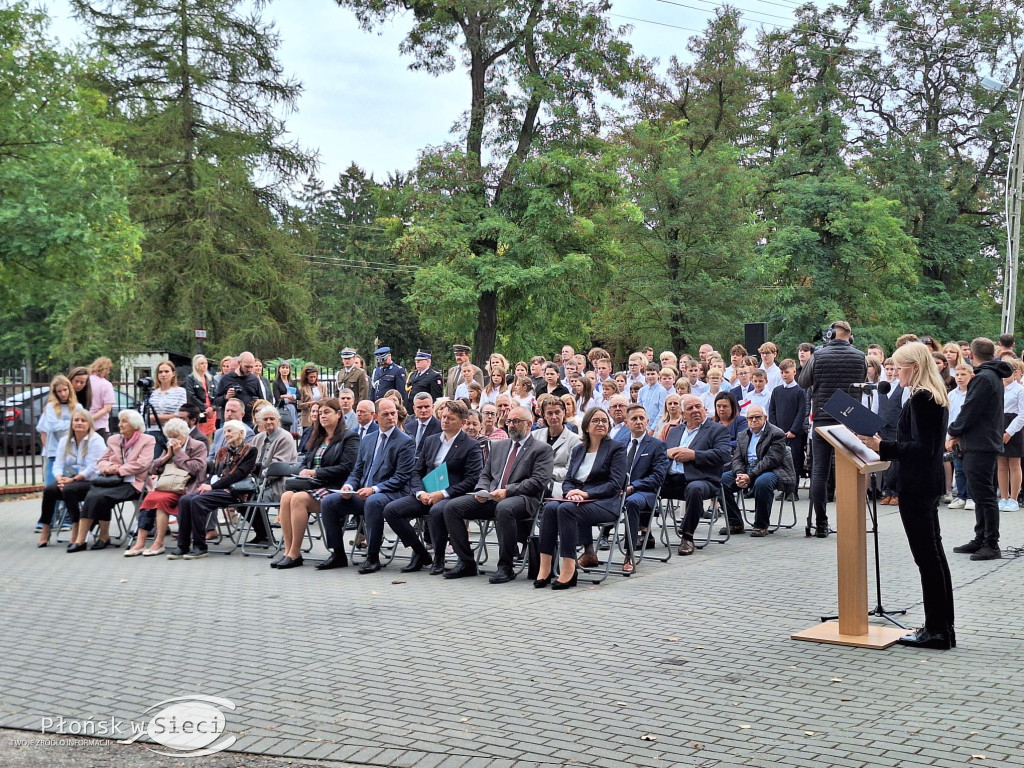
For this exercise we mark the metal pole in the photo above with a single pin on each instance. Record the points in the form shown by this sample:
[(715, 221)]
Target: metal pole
[(1014, 197)]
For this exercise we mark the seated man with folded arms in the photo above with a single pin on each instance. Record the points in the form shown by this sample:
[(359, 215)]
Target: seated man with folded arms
[(761, 460), (698, 449), (463, 460), (647, 463), (381, 475), (509, 491)]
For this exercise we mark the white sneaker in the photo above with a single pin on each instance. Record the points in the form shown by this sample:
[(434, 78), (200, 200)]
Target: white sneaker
[(969, 505), (1001, 505), (957, 503), (1011, 505)]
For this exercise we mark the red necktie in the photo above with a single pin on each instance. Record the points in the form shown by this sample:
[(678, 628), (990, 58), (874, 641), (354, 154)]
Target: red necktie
[(508, 466)]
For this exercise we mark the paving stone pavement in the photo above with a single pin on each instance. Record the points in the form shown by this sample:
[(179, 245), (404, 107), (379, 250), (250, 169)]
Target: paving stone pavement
[(686, 663)]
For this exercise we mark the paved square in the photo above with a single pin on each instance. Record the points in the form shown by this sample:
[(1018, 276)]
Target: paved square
[(686, 663)]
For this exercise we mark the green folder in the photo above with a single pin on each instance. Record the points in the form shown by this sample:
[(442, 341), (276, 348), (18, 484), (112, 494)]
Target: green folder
[(437, 480)]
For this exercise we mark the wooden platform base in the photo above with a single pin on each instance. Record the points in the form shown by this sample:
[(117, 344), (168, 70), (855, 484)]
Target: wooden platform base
[(877, 637)]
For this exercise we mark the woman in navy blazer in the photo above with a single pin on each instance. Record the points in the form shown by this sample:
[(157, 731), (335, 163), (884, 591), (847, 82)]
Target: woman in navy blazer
[(592, 488)]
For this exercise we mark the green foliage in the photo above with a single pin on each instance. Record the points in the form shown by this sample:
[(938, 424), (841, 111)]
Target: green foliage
[(199, 90), (66, 236)]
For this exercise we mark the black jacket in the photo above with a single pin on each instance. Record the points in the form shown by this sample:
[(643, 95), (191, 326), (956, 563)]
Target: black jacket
[(980, 422), (786, 409), (837, 365), (920, 435), (196, 393), (337, 461)]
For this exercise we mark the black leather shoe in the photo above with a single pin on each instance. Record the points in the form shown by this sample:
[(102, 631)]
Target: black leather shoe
[(462, 571), (370, 566), (418, 562), (76, 547), (501, 576), (821, 529), (336, 560), (566, 584), (926, 638), (732, 530), (984, 553), (275, 563), (436, 568), (289, 562), (969, 548), (541, 583), (100, 544), (258, 543)]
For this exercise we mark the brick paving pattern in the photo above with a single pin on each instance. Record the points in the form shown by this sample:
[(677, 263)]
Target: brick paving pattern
[(687, 663)]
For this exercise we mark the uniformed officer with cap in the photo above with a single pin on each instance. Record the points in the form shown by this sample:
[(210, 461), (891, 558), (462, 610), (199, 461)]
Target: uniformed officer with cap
[(424, 379), (455, 372), (352, 376), (387, 375)]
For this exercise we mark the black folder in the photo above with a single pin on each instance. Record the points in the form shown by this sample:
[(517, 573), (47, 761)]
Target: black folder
[(853, 415)]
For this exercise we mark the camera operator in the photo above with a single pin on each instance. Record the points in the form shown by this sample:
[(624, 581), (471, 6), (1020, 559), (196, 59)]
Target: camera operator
[(836, 365), (978, 430), (241, 384)]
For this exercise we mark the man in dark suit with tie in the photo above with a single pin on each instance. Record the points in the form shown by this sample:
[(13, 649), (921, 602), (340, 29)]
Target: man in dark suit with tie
[(366, 414), (380, 476), (514, 478), (426, 423), (646, 464), (698, 449), (463, 461)]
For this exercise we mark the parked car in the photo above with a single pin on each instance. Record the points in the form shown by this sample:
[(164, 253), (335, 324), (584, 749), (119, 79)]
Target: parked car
[(21, 413)]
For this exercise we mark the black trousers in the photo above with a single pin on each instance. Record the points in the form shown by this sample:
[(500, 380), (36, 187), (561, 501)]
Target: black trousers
[(821, 467), (193, 511), (511, 515), (980, 470), (398, 513), (797, 447), (72, 495), (100, 502), (921, 522), (561, 524)]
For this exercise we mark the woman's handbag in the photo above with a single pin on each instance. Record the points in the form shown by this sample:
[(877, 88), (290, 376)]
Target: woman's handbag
[(173, 479), (287, 419), (107, 481), (301, 484), (243, 487)]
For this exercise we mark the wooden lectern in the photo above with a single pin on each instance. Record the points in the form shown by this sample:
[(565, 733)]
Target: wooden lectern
[(854, 462)]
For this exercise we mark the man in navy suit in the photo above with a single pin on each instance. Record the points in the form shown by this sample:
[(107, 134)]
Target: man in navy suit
[(426, 423), (463, 459), (380, 476), (698, 449)]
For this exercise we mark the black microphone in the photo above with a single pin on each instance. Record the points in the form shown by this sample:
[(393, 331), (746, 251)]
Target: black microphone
[(883, 387)]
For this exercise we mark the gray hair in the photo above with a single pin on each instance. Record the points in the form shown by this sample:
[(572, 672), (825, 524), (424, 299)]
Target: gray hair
[(267, 410), (177, 428), (421, 396), (134, 418), (234, 425), (346, 391)]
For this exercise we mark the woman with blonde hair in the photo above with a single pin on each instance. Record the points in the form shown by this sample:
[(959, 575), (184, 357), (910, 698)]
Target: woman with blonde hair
[(55, 421), (75, 460), (671, 416), (200, 389), (496, 385), (918, 447)]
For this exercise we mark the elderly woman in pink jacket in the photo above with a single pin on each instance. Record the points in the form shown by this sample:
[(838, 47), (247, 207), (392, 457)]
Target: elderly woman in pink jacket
[(122, 473)]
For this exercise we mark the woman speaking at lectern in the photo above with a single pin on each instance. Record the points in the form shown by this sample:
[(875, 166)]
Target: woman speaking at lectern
[(918, 449)]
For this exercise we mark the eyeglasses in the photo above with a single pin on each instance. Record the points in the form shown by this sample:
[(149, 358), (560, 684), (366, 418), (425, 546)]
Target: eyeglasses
[(755, 418), (600, 421), (513, 422)]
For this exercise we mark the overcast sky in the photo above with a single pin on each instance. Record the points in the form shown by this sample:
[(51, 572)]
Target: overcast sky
[(362, 103)]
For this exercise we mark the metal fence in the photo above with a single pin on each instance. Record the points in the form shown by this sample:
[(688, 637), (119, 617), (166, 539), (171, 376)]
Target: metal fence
[(22, 401)]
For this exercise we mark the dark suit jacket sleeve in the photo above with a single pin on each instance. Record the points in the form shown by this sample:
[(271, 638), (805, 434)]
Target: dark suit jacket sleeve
[(486, 474), (219, 398), (537, 483), (651, 482), (716, 454), (473, 462), (335, 473), (356, 475), (405, 460), (739, 454)]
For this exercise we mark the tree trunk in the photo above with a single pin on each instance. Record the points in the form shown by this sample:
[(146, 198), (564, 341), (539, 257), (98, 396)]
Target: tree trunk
[(486, 327)]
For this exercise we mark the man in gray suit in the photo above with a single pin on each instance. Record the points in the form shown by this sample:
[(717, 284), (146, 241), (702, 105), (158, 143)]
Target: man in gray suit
[(699, 450), (515, 477)]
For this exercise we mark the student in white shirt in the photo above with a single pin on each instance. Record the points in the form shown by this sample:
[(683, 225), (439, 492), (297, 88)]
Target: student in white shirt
[(768, 354)]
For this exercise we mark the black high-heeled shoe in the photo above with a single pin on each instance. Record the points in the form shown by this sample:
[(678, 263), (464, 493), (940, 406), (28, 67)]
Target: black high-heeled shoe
[(566, 584), (541, 583)]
